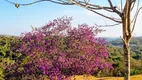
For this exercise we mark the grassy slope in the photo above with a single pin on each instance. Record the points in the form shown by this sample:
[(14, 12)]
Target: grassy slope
[(136, 77)]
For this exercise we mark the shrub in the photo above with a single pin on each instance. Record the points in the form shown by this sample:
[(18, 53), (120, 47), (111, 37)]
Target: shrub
[(8, 54)]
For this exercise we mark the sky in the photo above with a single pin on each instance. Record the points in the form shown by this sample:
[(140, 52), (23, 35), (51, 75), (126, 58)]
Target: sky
[(15, 21)]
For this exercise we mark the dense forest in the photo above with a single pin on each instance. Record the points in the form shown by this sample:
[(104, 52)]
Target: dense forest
[(116, 55), (136, 47)]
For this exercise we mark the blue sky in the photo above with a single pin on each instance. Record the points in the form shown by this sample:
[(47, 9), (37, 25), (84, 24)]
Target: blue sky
[(14, 21)]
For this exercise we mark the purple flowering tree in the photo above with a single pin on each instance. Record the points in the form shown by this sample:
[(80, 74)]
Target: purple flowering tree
[(59, 51)]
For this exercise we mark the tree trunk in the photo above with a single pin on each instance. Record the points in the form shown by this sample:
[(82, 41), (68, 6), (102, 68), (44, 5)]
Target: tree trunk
[(127, 60), (127, 35), (126, 47)]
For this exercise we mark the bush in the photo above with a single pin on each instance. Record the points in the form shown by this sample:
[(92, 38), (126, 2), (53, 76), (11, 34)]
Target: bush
[(8, 54)]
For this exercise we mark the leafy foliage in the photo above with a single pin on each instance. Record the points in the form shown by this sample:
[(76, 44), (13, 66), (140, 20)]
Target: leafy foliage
[(8, 53), (116, 56)]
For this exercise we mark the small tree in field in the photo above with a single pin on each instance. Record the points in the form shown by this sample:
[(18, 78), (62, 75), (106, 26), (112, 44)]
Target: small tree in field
[(60, 51), (124, 12)]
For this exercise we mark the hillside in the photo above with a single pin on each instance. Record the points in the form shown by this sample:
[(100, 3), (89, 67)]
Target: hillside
[(136, 41)]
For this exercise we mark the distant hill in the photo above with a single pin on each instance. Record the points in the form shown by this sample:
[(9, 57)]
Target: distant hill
[(108, 39), (118, 41), (7, 35), (135, 44)]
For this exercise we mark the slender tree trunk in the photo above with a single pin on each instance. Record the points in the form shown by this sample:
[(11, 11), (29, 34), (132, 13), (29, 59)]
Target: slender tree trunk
[(127, 35), (126, 49), (127, 61)]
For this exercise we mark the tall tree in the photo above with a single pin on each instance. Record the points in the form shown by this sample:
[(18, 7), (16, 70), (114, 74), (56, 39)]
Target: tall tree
[(124, 13)]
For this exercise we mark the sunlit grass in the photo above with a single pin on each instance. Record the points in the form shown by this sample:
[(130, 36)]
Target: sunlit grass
[(136, 77)]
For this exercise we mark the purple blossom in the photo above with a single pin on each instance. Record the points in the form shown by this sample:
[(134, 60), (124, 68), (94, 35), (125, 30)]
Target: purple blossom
[(60, 56)]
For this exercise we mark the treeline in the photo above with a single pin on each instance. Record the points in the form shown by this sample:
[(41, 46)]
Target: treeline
[(135, 43), (116, 56), (136, 47)]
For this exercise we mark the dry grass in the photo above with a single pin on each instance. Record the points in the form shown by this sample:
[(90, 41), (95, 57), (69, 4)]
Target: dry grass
[(136, 77), (82, 77)]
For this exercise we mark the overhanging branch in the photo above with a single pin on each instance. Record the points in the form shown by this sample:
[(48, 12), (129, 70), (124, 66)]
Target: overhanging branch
[(90, 9), (85, 4), (57, 2), (114, 8), (108, 25), (136, 19)]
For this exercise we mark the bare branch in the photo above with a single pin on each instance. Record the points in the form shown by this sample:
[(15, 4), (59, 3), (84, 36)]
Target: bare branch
[(113, 19), (110, 3), (84, 6), (110, 25), (136, 11), (57, 2), (121, 5), (86, 1), (91, 5), (114, 8), (136, 19), (134, 5)]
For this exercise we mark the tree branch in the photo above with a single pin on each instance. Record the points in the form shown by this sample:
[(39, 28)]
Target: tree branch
[(121, 5), (110, 25), (90, 9), (136, 19), (114, 8), (134, 5), (136, 12), (57, 2), (85, 4)]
